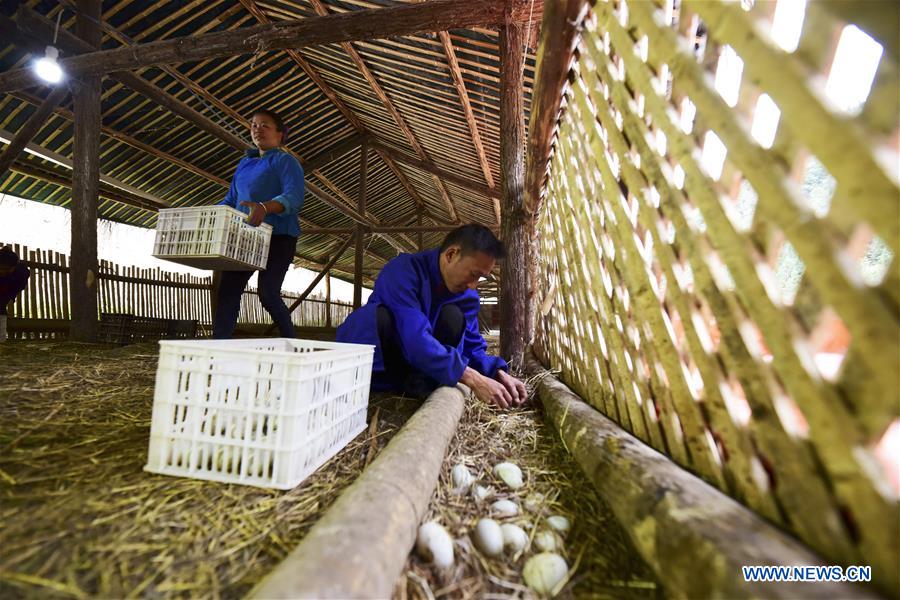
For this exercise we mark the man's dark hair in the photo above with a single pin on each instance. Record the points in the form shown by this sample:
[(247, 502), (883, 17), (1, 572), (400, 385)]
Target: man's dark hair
[(279, 122), (473, 238), (8, 258)]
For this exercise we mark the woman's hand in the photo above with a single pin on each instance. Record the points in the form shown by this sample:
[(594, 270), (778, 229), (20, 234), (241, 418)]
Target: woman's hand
[(257, 212)]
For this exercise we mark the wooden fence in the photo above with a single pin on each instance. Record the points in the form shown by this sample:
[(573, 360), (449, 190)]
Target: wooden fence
[(44, 304), (718, 257)]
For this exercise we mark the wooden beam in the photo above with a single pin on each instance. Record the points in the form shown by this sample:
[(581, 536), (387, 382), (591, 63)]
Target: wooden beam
[(561, 25), (460, 84), (48, 155), (51, 176), (400, 175), (400, 20), (148, 90), (419, 222), (445, 196), (310, 71), (360, 231), (84, 272), (695, 521), (37, 26), (517, 291), (337, 204), (367, 74), (368, 219), (333, 153), (31, 127), (380, 229), (430, 167)]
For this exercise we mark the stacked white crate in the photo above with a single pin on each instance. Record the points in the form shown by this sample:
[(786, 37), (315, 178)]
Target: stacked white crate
[(265, 412)]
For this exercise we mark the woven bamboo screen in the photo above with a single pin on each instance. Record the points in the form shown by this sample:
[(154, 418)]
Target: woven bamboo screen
[(717, 252)]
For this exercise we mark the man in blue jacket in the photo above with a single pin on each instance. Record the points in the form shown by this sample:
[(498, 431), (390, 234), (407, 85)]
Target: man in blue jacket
[(422, 317)]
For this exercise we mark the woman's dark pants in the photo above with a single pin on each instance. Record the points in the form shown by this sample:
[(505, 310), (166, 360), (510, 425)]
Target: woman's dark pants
[(448, 330), (231, 288)]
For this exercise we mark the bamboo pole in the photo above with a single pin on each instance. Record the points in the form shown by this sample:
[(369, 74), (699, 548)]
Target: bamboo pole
[(349, 554), (675, 519)]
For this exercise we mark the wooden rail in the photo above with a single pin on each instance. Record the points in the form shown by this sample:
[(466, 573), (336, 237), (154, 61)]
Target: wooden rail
[(45, 303)]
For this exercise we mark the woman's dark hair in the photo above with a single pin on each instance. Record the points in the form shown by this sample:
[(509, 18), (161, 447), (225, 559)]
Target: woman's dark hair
[(473, 238), (276, 118), (8, 258)]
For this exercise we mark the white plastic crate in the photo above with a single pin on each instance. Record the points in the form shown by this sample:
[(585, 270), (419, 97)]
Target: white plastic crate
[(264, 412), (211, 237)]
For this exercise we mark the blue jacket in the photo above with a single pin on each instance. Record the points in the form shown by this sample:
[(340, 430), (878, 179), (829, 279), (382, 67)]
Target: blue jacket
[(411, 286), (275, 176)]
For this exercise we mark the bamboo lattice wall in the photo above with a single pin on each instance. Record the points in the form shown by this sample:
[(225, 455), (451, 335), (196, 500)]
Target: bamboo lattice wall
[(724, 290), (145, 293)]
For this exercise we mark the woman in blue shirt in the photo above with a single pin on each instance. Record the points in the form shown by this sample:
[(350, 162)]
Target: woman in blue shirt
[(268, 186)]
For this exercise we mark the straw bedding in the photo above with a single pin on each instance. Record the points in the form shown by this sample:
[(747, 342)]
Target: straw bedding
[(602, 561), (80, 516), (82, 519)]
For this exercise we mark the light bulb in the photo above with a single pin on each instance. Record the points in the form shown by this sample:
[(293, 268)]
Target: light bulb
[(47, 68)]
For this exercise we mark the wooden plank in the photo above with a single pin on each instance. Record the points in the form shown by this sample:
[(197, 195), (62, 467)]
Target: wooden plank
[(438, 15)]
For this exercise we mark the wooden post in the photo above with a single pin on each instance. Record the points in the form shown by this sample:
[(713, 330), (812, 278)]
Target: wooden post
[(419, 223), (214, 285), (516, 290), (360, 229), (86, 184), (328, 299)]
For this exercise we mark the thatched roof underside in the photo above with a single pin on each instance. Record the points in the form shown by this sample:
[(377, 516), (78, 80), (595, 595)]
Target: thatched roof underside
[(414, 72)]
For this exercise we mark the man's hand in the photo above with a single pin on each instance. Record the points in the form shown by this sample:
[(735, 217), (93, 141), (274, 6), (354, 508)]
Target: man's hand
[(487, 389), (515, 387), (257, 213)]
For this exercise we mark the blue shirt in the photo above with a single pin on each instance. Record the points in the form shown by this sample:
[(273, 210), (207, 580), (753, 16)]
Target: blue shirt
[(276, 175), (411, 286)]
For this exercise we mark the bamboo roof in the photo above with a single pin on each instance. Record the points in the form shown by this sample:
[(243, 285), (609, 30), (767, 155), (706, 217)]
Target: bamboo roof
[(398, 93)]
